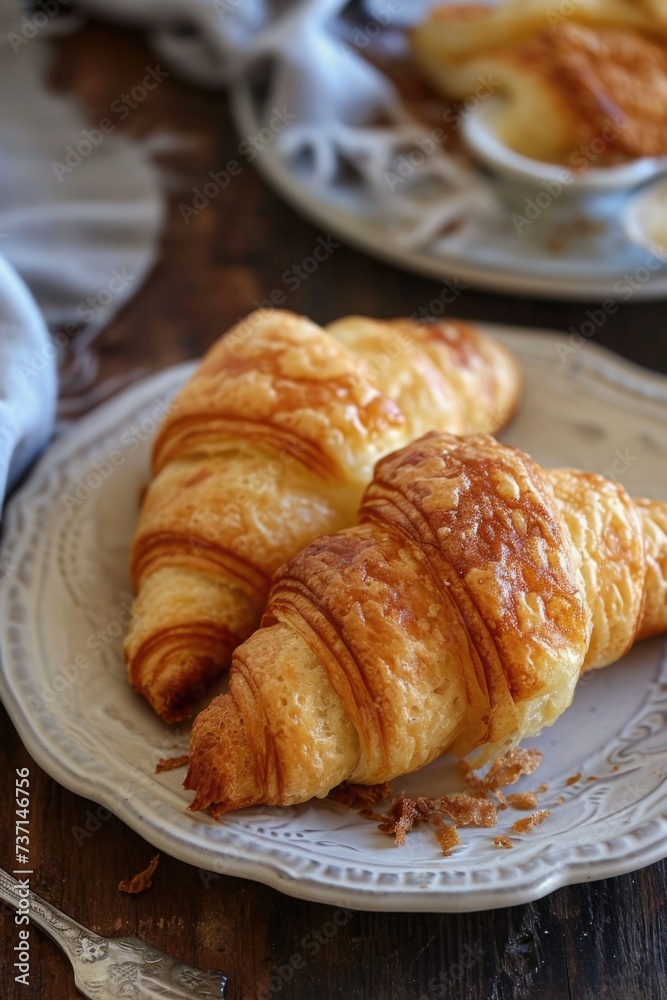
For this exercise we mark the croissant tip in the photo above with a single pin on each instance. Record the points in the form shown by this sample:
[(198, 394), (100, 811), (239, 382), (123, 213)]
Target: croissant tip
[(222, 772), (203, 798), (173, 694), (171, 706)]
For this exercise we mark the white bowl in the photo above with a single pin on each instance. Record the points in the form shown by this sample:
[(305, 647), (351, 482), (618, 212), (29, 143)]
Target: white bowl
[(483, 142), (644, 218)]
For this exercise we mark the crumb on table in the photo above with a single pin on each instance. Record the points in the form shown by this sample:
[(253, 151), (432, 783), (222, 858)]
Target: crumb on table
[(141, 881)]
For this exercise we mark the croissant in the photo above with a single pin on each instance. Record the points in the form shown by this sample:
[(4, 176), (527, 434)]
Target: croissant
[(457, 614), (596, 74), (269, 445)]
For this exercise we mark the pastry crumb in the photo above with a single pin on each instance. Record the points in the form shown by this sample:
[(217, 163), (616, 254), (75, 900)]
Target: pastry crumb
[(445, 815), (592, 777), (502, 841), (141, 881), (574, 778), (522, 800), (403, 815), (171, 763), (467, 810), (504, 770), (358, 796), (530, 822), (448, 838)]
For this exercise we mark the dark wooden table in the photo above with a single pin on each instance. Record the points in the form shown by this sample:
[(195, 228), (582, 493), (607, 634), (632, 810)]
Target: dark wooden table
[(603, 939)]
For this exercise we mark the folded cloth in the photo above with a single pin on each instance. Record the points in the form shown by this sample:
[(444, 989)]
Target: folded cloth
[(27, 378), (77, 205), (303, 66), (80, 215)]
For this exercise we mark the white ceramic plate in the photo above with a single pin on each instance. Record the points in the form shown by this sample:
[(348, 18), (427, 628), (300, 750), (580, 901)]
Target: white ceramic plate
[(64, 599), (570, 248)]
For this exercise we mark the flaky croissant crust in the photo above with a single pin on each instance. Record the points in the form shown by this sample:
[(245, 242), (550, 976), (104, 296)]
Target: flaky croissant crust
[(458, 613), (269, 445)]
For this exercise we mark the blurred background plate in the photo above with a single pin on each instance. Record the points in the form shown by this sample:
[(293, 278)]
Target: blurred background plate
[(570, 248)]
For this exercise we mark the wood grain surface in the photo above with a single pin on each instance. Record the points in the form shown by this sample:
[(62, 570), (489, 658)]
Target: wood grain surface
[(605, 939)]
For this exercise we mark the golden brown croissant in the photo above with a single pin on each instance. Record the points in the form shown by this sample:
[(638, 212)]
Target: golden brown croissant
[(597, 74), (269, 445), (458, 613)]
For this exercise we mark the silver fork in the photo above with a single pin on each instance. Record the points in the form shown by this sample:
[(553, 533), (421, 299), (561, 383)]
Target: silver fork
[(106, 968)]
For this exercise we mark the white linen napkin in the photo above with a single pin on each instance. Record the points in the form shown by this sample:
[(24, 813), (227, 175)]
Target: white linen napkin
[(82, 238), (27, 378)]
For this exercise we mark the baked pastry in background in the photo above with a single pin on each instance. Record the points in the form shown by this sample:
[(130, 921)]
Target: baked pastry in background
[(598, 72), (270, 444), (457, 614)]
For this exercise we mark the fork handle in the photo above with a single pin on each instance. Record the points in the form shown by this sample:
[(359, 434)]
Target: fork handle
[(61, 928)]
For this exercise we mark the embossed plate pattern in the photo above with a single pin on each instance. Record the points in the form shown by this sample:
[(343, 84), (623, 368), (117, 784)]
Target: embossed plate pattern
[(64, 602)]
